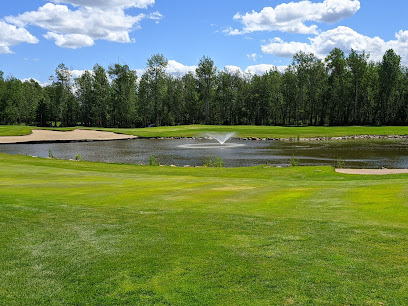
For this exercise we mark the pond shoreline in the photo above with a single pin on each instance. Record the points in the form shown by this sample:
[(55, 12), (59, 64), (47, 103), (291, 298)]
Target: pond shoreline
[(78, 135), (300, 139)]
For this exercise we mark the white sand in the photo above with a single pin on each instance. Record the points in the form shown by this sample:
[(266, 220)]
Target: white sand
[(75, 135), (372, 171)]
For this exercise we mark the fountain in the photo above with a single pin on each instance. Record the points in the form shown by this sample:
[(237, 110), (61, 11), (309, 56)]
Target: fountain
[(221, 138)]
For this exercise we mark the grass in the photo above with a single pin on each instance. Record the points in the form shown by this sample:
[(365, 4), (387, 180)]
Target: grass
[(241, 131), (108, 234), (15, 130)]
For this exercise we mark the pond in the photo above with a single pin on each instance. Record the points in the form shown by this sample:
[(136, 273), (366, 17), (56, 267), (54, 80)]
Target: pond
[(234, 153)]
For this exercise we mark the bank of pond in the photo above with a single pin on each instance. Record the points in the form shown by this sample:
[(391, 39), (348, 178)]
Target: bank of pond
[(350, 153)]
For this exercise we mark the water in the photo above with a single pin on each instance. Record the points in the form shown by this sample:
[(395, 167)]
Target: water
[(235, 153)]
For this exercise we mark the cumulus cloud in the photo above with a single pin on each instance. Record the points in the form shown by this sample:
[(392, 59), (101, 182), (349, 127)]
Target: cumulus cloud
[(42, 84), (261, 69), (280, 48), (78, 73), (254, 69), (72, 41), (233, 69), (343, 38), (108, 3), (292, 17), (402, 36), (82, 26), (176, 68), (10, 36), (173, 68)]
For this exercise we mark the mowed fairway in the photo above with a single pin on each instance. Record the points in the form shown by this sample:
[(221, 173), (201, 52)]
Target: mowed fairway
[(90, 233)]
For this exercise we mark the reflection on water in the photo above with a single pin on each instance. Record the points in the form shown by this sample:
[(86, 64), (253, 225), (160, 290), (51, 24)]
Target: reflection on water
[(180, 152)]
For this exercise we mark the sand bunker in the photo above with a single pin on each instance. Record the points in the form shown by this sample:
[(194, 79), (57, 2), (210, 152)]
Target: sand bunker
[(58, 136), (372, 171)]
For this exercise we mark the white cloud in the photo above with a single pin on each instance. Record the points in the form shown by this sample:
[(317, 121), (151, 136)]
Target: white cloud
[(176, 68), (259, 69), (233, 69), (280, 48), (139, 73), (173, 68), (253, 57), (343, 38), (72, 41), (11, 35), (78, 73), (107, 4), (402, 36), (291, 17), (82, 26), (232, 32), (156, 16), (42, 84)]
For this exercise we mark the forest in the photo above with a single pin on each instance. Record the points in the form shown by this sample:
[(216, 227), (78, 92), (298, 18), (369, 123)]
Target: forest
[(339, 90)]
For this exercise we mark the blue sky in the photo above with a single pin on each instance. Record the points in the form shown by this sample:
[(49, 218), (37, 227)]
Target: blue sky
[(251, 36)]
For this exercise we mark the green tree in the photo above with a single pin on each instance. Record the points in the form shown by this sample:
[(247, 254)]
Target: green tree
[(42, 113), (31, 94), (226, 95), (173, 103), (273, 80), (317, 93), (289, 89), (2, 97), (388, 75), (309, 74), (144, 98), (370, 93), (156, 71), (336, 64), (86, 98), (123, 99), (101, 94), (10, 109), (302, 62), (206, 74), (64, 106), (191, 102), (357, 64)]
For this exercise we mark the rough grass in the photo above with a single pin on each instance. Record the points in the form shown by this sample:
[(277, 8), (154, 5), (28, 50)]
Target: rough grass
[(90, 233), (241, 131)]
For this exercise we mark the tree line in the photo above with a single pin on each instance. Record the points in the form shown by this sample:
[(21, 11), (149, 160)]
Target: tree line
[(339, 90)]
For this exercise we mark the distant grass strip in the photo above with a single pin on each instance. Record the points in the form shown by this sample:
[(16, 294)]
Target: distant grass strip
[(111, 234), (241, 131), (15, 130)]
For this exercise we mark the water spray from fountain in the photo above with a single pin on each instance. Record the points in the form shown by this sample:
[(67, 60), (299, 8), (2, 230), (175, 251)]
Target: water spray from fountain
[(221, 137)]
